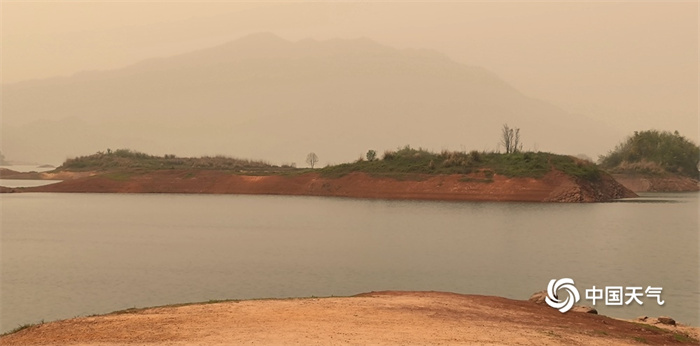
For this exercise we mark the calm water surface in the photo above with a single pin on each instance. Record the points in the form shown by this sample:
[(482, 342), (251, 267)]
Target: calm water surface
[(65, 255), (26, 182)]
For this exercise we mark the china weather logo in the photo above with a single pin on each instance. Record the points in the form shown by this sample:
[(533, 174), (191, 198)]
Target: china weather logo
[(565, 284)]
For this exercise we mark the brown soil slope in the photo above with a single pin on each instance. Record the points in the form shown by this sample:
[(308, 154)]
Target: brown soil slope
[(554, 187), (662, 183), (378, 318)]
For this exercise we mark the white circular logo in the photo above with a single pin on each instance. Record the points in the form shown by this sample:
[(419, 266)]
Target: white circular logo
[(552, 298)]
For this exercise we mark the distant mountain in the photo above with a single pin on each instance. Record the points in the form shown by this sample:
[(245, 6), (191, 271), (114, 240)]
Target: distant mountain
[(267, 98)]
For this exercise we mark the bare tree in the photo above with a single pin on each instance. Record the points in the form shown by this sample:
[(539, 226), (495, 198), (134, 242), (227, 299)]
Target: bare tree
[(510, 139), (311, 159), (507, 137), (517, 146)]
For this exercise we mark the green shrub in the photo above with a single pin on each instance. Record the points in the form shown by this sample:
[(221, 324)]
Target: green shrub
[(371, 155), (388, 155), (475, 156), (654, 152)]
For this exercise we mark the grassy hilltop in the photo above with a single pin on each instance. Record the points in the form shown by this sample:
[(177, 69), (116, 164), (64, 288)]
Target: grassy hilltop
[(134, 161), (654, 153), (409, 161), (405, 163)]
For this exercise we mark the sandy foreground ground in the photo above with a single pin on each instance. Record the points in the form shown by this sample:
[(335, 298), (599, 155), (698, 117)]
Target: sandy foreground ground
[(377, 318)]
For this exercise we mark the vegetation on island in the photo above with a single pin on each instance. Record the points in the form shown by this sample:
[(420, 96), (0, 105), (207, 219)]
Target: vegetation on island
[(404, 163), (654, 153), (514, 162), (130, 160), (410, 161)]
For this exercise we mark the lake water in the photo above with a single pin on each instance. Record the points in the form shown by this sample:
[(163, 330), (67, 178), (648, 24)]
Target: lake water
[(26, 182), (65, 255)]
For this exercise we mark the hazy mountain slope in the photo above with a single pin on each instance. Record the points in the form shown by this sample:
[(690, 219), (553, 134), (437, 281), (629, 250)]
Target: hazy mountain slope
[(264, 97)]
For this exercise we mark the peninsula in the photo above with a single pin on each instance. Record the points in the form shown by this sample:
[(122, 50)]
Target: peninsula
[(406, 173), (655, 161)]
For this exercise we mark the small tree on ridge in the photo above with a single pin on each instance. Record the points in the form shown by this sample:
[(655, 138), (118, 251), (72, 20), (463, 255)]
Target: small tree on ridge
[(371, 155), (510, 138), (311, 159)]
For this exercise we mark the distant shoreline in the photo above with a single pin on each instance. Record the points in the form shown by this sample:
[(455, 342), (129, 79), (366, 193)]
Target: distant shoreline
[(377, 318), (553, 187)]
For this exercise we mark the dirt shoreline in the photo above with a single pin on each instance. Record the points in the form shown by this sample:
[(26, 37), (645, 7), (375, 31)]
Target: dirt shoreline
[(553, 187), (658, 183), (376, 318)]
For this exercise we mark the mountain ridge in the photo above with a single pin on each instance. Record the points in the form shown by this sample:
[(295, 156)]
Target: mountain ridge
[(261, 95), (254, 39)]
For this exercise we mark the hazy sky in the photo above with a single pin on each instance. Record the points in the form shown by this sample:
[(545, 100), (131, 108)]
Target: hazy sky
[(633, 65)]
